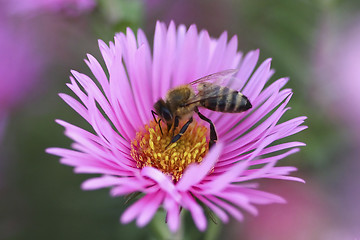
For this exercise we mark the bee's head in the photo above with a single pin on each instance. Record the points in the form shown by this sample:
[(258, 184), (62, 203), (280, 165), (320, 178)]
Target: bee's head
[(163, 111)]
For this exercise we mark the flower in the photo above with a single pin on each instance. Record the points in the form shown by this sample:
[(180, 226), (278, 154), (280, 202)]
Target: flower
[(130, 152), (337, 73), (310, 216), (2, 125), (71, 7), (18, 75), (16, 49)]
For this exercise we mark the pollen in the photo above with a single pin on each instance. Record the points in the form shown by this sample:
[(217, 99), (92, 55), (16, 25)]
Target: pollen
[(151, 148)]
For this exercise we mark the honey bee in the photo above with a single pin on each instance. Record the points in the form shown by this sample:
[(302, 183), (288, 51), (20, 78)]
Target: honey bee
[(181, 102)]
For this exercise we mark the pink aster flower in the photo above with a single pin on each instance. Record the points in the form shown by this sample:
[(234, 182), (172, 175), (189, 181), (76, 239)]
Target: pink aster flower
[(72, 7), (19, 75), (337, 71), (127, 148), (16, 50)]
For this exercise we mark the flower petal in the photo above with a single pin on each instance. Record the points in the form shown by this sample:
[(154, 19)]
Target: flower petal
[(173, 213), (218, 211), (195, 210), (101, 182), (220, 182), (149, 210), (185, 70), (163, 181), (247, 67), (229, 208), (196, 172), (136, 208)]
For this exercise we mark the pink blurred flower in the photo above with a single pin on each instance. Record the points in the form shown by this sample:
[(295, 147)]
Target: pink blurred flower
[(20, 65), (3, 121), (119, 110), (307, 215), (71, 7), (346, 78), (337, 72)]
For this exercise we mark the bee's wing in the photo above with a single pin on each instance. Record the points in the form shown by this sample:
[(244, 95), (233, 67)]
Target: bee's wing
[(222, 78), (211, 92), (216, 78)]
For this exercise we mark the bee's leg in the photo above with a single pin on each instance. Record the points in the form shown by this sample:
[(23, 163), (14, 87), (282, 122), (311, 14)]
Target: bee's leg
[(176, 124), (158, 122), (213, 135), (160, 126), (169, 126), (182, 131)]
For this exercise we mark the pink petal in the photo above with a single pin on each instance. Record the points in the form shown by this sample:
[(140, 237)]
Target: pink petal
[(218, 211), (120, 87), (100, 182), (142, 80), (99, 73), (159, 42), (136, 208), (267, 150), (231, 57), (106, 53), (222, 181), (168, 59), (261, 197), (203, 53), (185, 70), (218, 54), (260, 131), (262, 105), (76, 89), (274, 158), (288, 178), (149, 210), (229, 208), (240, 199), (135, 67), (74, 104), (163, 181), (173, 214), (247, 67), (133, 184), (195, 173), (195, 210), (258, 80)]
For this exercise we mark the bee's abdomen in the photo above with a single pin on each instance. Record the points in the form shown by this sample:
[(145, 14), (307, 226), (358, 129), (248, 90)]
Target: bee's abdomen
[(227, 100)]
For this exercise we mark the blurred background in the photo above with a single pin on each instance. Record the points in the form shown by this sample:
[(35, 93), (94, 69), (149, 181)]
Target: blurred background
[(314, 42)]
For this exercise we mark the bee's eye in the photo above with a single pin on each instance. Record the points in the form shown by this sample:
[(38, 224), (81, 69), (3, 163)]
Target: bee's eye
[(166, 114)]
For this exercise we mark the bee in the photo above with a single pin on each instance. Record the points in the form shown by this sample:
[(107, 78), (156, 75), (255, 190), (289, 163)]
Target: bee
[(183, 101)]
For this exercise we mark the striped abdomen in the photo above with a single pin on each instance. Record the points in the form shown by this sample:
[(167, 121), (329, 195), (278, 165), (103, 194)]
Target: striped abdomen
[(224, 99)]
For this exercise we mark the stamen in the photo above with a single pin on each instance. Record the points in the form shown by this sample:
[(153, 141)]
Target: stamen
[(148, 148)]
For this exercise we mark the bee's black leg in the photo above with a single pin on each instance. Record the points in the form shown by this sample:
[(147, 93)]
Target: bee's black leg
[(158, 122), (160, 126), (176, 124), (169, 125), (213, 135), (182, 131)]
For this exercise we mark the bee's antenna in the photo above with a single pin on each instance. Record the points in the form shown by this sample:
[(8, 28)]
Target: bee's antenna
[(158, 122), (153, 114)]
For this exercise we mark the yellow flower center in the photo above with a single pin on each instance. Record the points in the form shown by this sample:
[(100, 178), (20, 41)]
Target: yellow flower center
[(149, 148)]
